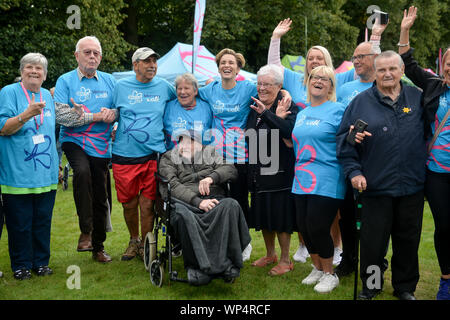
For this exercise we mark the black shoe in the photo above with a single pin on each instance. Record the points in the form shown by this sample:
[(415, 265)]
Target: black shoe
[(22, 274), (405, 295), (197, 278), (344, 269), (230, 274), (368, 294), (43, 271)]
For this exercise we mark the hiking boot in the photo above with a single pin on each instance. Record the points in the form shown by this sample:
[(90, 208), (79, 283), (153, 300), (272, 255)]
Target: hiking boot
[(132, 250)]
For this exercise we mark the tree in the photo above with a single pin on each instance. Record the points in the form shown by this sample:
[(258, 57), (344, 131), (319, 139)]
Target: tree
[(42, 26)]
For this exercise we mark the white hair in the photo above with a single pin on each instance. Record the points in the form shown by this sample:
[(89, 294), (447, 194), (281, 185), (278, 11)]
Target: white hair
[(189, 77), (33, 58), (273, 70), (93, 38), (389, 54)]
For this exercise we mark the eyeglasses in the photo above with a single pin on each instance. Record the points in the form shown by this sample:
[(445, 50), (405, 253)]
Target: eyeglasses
[(89, 52), (361, 56), (316, 78), (264, 85)]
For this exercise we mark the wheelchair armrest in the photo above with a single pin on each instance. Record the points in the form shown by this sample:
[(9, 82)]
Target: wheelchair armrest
[(160, 178)]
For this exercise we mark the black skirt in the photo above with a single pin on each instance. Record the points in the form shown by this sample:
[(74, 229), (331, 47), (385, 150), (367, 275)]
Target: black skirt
[(272, 211)]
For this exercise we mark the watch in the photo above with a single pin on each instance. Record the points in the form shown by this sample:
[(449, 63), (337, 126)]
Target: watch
[(20, 119)]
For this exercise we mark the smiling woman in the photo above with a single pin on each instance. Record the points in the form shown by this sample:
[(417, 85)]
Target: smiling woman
[(29, 173)]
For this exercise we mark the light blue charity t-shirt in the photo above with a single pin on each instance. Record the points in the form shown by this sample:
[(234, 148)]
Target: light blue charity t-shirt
[(293, 82), (141, 108), (177, 120), (317, 170), (349, 90), (230, 110), (94, 138), (439, 159), (25, 164)]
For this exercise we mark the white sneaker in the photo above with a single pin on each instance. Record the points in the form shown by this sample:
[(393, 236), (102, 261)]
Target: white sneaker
[(337, 256), (301, 254), (327, 283), (247, 252), (313, 277)]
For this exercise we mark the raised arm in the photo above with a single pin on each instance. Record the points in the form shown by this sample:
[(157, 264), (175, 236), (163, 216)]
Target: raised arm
[(274, 49), (409, 16)]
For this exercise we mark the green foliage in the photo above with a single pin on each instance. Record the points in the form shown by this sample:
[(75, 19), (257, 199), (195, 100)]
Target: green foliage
[(430, 30), (40, 26)]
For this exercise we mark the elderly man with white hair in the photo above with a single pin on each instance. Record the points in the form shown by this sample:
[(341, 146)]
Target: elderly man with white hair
[(87, 143), (388, 170)]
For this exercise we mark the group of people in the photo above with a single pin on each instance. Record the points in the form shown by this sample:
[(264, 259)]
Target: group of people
[(282, 144)]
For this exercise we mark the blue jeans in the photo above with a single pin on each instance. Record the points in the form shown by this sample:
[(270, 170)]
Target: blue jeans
[(28, 220)]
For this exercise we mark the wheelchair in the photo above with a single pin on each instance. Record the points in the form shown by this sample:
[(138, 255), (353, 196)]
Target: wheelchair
[(156, 261)]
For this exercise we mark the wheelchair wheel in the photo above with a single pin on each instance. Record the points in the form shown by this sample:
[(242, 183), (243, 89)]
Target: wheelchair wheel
[(149, 250), (156, 273)]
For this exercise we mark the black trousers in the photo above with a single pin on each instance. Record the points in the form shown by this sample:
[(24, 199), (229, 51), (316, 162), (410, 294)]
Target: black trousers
[(239, 188), (401, 219), (315, 215), (347, 225), (437, 191), (90, 191)]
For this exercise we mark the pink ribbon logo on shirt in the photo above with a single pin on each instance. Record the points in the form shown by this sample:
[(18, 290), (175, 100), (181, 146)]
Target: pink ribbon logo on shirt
[(302, 166)]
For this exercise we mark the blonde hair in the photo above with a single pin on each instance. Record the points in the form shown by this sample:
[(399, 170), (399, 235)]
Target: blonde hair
[(239, 57), (328, 72), (326, 56)]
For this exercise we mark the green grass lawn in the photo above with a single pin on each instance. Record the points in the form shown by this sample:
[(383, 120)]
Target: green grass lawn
[(120, 280)]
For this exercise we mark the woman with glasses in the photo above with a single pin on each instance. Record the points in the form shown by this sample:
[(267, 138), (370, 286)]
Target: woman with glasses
[(272, 203), (319, 183), (295, 83), (29, 167)]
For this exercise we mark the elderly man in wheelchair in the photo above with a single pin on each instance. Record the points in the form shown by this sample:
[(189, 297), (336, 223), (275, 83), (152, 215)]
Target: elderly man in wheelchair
[(210, 227)]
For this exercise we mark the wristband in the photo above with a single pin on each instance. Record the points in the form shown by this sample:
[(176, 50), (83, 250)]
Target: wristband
[(402, 44), (20, 119)]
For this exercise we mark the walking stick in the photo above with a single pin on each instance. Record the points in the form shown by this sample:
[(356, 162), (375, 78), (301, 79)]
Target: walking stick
[(358, 204)]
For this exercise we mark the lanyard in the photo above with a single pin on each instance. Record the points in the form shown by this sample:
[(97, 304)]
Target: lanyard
[(29, 101)]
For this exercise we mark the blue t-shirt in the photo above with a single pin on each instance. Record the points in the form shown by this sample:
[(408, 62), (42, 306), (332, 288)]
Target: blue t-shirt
[(177, 120), (439, 159), (293, 82), (94, 138), (141, 109), (317, 170), (349, 90), (230, 110), (25, 164)]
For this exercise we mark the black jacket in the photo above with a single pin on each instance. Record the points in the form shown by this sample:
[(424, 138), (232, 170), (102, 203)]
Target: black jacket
[(393, 159), (433, 87), (282, 179)]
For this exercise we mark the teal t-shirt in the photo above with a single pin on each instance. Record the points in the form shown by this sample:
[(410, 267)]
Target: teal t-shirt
[(141, 109), (27, 162), (94, 138), (317, 170), (439, 158), (230, 109), (349, 90), (177, 120)]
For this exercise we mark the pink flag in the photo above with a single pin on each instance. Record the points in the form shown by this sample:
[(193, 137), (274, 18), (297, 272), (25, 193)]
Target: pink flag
[(200, 6)]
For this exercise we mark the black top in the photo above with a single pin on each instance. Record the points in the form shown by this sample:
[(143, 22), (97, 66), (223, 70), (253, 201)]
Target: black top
[(280, 164), (433, 87)]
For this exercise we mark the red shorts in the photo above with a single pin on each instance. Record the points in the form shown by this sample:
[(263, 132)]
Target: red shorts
[(134, 179)]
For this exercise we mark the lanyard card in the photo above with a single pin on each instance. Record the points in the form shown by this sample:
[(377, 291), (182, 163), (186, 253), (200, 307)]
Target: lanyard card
[(38, 138)]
